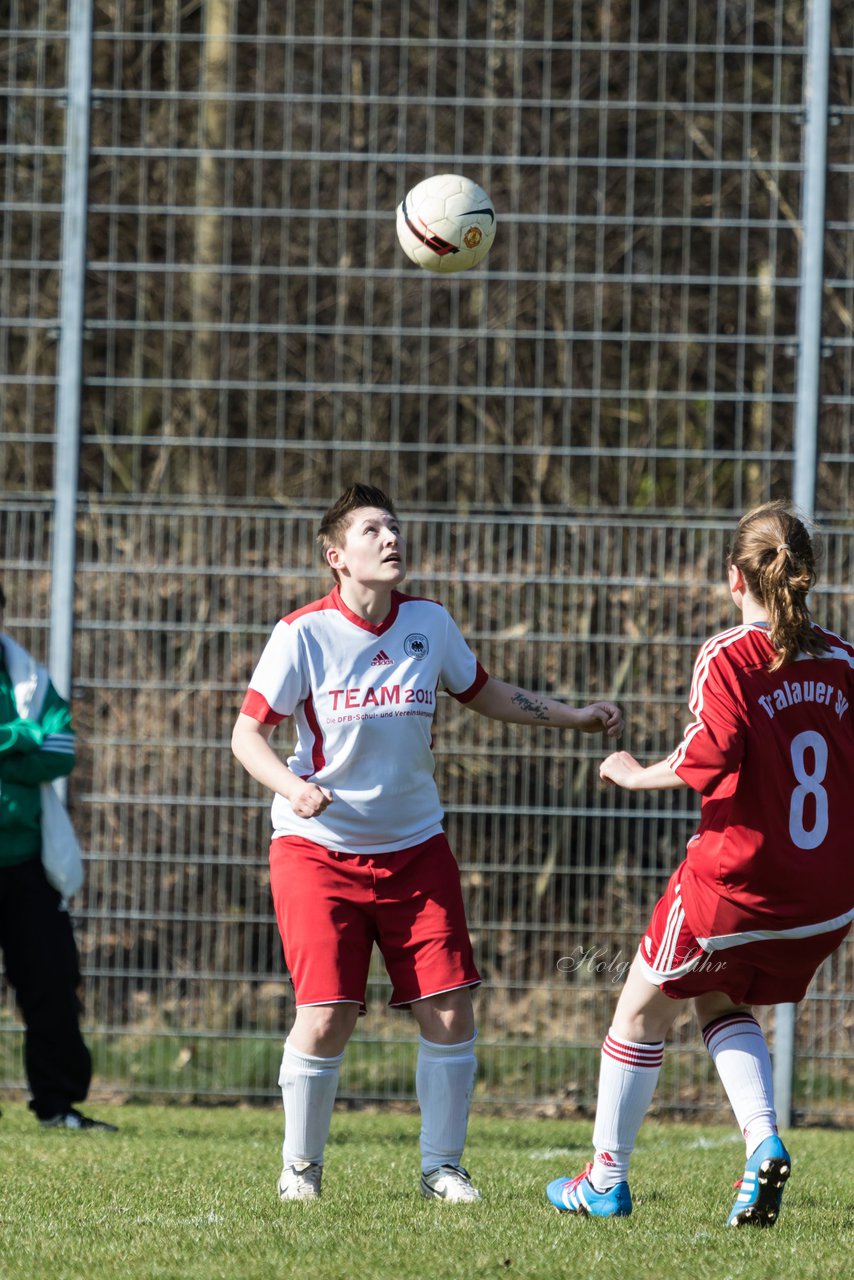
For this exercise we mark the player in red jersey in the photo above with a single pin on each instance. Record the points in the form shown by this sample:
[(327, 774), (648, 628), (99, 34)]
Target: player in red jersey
[(358, 853), (766, 891)]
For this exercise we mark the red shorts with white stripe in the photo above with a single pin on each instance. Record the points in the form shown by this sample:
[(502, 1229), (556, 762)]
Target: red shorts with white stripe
[(773, 971), (332, 907)]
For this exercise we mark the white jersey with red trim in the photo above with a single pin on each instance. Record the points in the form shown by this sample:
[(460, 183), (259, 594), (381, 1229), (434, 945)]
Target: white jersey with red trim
[(363, 698), (772, 754)]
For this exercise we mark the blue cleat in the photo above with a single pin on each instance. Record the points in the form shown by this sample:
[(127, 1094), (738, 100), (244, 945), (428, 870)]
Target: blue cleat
[(761, 1189), (578, 1195)]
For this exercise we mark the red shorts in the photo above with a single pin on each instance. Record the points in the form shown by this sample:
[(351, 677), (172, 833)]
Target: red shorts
[(332, 908), (773, 971)]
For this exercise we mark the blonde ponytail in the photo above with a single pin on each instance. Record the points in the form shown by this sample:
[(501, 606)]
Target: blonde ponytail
[(775, 554)]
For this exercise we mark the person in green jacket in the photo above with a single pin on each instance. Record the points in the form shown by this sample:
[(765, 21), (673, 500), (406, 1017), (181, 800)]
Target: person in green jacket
[(37, 744)]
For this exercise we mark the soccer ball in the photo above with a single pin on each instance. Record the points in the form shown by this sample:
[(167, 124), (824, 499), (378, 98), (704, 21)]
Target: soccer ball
[(446, 223)]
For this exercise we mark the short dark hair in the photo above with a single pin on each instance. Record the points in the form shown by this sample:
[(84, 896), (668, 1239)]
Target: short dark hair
[(336, 522)]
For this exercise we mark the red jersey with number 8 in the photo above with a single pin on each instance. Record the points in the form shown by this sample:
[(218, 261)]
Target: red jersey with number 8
[(772, 753)]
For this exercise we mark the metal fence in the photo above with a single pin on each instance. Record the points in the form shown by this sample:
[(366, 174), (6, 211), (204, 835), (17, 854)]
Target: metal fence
[(570, 428)]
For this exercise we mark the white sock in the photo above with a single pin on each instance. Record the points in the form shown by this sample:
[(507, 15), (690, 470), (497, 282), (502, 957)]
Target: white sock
[(740, 1053), (308, 1085), (444, 1080), (628, 1074)]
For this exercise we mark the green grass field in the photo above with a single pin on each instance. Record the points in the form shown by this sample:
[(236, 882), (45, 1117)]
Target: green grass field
[(190, 1193)]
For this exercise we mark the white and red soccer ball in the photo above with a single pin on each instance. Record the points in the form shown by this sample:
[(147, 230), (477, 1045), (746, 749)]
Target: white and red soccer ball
[(446, 223)]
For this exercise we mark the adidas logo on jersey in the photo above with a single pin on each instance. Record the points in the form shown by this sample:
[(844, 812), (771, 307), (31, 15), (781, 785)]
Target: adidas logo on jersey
[(382, 660)]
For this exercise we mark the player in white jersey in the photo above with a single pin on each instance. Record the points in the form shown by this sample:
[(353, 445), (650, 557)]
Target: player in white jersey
[(358, 853), (766, 891)]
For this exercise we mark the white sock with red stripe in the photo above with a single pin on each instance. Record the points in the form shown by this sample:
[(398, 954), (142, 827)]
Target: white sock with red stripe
[(444, 1080), (628, 1075), (309, 1085), (740, 1054)]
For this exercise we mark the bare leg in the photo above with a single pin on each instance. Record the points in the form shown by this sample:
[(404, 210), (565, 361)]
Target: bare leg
[(714, 1004), (447, 1018), (643, 1014), (323, 1030)]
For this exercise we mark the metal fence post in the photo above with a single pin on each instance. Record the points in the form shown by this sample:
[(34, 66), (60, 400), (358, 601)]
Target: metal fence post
[(816, 85), (70, 370), (816, 92)]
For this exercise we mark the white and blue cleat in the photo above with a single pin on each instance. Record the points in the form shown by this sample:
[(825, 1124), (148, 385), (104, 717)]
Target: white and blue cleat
[(761, 1189), (578, 1195)]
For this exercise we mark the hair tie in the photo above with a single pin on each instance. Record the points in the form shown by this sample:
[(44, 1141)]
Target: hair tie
[(784, 546)]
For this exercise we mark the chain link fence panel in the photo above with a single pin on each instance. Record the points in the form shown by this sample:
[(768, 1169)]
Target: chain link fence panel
[(570, 430)]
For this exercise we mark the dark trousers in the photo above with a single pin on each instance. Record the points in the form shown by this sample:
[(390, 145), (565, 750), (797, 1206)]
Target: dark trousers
[(43, 968)]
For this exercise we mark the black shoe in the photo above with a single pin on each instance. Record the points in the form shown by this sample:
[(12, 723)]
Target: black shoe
[(73, 1120)]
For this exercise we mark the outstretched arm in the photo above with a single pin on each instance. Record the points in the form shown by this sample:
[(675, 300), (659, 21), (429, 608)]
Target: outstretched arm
[(500, 701), (623, 770)]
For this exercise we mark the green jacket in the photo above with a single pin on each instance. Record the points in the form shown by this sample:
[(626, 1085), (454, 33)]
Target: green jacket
[(31, 752)]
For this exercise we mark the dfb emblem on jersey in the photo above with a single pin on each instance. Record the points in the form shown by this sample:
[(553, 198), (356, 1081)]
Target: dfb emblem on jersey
[(416, 646)]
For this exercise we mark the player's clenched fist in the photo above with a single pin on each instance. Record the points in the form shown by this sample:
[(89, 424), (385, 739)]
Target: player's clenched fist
[(619, 768), (311, 801), (601, 717)]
